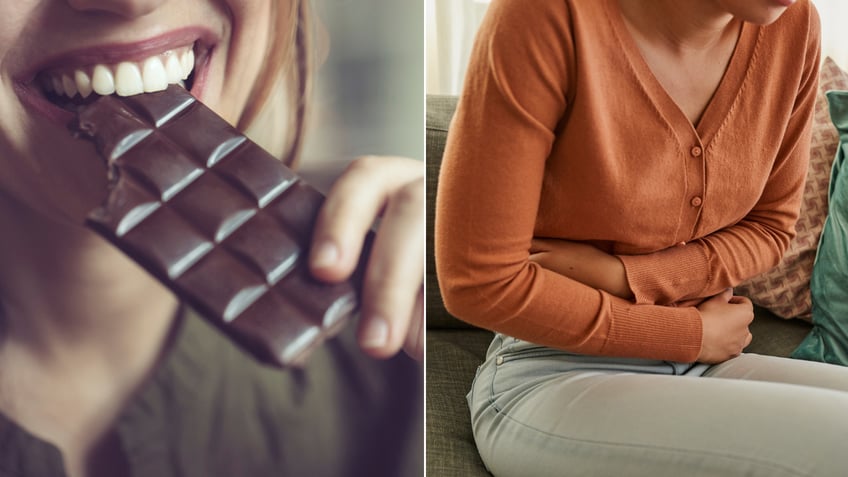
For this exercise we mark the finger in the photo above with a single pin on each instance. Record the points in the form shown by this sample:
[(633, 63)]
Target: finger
[(414, 344), (350, 209), (538, 257), (724, 297), (394, 274), (540, 245), (553, 245)]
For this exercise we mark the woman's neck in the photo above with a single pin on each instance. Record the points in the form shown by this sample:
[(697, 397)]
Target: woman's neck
[(681, 25), (67, 294), (82, 330)]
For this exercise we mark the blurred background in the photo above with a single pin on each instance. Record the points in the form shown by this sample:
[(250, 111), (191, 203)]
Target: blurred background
[(369, 96), (451, 25)]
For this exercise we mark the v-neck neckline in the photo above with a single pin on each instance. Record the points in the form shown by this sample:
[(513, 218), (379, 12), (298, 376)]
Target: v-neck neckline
[(724, 97), (25, 453)]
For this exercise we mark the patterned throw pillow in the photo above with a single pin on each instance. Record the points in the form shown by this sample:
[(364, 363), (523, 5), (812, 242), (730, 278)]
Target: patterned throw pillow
[(785, 289)]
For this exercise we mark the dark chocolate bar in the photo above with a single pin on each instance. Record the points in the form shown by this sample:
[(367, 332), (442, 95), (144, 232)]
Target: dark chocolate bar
[(215, 218)]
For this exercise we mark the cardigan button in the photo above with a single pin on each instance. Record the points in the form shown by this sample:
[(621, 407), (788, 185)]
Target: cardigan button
[(696, 201), (696, 151)]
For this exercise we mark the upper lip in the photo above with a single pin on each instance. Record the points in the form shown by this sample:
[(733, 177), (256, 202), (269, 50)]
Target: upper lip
[(118, 52)]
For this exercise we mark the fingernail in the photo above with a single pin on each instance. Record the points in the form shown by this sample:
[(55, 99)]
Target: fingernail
[(325, 255), (375, 334)]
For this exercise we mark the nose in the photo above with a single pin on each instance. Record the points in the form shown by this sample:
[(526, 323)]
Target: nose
[(124, 8)]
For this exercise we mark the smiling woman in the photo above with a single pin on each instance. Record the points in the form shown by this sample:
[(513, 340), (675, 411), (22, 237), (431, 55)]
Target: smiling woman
[(105, 372)]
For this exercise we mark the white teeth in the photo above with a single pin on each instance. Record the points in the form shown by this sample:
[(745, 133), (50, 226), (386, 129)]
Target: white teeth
[(188, 63), (128, 79), (125, 78), (173, 68), (83, 83), (102, 81), (69, 86), (154, 75), (57, 84)]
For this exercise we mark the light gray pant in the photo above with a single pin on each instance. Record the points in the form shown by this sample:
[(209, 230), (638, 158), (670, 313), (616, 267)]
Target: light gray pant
[(538, 411)]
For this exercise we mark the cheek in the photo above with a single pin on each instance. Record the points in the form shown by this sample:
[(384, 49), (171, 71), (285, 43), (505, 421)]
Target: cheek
[(41, 166), (15, 16), (245, 62)]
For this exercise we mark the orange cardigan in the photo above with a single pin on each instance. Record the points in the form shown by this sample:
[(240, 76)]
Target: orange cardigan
[(562, 131)]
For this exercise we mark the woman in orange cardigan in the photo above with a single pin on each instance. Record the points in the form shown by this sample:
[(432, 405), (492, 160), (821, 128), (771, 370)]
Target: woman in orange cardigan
[(613, 169)]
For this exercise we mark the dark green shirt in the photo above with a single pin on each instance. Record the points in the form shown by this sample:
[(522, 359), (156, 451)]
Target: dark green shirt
[(210, 410)]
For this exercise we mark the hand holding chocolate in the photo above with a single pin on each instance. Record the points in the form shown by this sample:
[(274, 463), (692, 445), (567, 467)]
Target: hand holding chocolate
[(215, 218)]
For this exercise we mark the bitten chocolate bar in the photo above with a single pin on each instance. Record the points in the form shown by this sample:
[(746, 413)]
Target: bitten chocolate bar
[(215, 218)]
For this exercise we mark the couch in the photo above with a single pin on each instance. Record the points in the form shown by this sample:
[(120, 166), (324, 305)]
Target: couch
[(455, 349)]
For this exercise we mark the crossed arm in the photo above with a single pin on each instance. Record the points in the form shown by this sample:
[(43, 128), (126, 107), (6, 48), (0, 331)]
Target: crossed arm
[(584, 263), (725, 318)]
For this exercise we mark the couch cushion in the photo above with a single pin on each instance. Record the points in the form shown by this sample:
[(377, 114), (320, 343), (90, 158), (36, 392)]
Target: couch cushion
[(452, 360), (785, 289), (775, 336)]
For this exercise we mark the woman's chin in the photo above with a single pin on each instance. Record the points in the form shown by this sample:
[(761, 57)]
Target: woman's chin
[(58, 199)]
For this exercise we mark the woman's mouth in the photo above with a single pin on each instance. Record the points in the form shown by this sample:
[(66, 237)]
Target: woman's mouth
[(60, 85), (125, 78)]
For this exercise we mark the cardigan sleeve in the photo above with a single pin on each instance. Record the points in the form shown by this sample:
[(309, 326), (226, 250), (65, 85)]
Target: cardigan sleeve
[(515, 94), (706, 266)]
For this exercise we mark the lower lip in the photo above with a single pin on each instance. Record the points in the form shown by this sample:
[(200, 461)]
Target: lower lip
[(34, 99), (786, 3)]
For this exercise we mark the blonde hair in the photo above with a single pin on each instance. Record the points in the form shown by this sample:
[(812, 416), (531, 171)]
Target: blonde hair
[(276, 111)]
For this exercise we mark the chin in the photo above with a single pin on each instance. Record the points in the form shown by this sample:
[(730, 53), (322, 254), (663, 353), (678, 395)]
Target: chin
[(768, 18), (62, 190), (765, 14)]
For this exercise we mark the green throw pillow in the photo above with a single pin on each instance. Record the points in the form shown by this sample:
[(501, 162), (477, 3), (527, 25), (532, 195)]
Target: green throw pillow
[(828, 340)]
